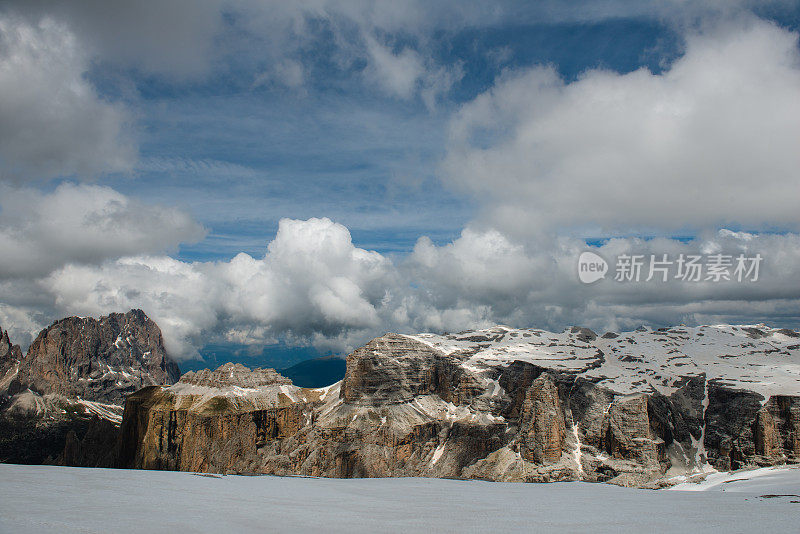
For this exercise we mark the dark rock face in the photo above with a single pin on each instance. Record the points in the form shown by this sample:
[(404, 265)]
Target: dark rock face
[(729, 426), (9, 354), (51, 429), (99, 360), (10, 359), (61, 403), (409, 407)]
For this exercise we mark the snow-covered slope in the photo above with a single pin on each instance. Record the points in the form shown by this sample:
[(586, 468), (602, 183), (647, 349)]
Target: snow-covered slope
[(776, 481), (753, 357), (70, 500)]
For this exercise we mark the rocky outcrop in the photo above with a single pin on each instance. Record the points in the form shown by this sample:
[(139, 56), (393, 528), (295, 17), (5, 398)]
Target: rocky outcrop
[(234, 375), (62, 402), (500, 404), (10, 359), (212, 420), (51, 429), (776, 432), (99, 360), (389, 370), (542, 424)]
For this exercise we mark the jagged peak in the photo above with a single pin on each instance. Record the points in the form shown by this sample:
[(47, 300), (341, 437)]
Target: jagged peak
[(234, 374), (133, 313)]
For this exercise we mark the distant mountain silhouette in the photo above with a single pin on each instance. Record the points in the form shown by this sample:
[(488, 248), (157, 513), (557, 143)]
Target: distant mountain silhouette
[(316, 373)]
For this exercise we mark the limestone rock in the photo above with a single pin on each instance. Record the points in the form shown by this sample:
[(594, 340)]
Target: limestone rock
[(100, 360), (776, 430), (501, 404), (10, 359), (628, 434), (51, 429), (234, 374), (61, 403), (542, 424), (389, 369)]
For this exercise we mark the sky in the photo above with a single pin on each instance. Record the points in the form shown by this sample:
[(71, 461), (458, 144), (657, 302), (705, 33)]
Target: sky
[(271, 181)]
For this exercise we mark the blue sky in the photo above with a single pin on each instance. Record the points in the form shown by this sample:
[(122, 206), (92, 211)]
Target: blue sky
[(287, 180), (240, 157)]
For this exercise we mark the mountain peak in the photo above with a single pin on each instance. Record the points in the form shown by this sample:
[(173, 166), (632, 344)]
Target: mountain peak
[(99, 359)]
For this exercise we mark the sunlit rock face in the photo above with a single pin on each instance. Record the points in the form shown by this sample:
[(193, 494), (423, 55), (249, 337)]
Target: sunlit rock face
[(502, 404)]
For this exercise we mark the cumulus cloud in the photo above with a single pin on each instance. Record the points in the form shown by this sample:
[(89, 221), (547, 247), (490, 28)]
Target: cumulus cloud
[(522, 285), (83, 224), (52, 122), (709, 142), (313, 286)]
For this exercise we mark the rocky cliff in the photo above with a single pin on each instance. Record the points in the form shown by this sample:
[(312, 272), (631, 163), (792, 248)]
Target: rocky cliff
[(101, 360), (10, 359), (62, 402), (502, 404)]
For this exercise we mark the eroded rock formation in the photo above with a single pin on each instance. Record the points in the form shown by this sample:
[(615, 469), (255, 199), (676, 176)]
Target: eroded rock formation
[(500, 404), (62, 402), (98, 360)]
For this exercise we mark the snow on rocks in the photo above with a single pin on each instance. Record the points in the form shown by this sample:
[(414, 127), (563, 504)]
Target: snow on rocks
[(754, 357)]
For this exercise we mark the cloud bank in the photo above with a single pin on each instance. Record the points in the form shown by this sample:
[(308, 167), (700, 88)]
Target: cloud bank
[(710, 142), (52, 121), (314, 286), (82, 224)]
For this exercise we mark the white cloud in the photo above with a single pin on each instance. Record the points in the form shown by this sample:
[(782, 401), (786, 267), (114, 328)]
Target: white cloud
[(708, 142), (40, 232), (711, 141), (52, 122), (499, 281), (396, 73), (314, 286), (405, 73)]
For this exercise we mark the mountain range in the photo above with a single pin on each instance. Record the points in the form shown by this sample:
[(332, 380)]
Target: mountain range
[(647, 408)]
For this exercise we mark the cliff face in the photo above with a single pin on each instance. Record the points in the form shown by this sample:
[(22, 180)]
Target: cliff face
[(500, 404), (99, 360), (212, 421), (62, 402), (10, 359)]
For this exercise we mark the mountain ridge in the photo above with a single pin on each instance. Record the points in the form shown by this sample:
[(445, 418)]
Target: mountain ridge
[(632, 409)]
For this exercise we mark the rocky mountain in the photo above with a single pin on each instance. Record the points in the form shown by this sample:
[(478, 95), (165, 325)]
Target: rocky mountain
[(642, 408), (101, 360), (62, 402)]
